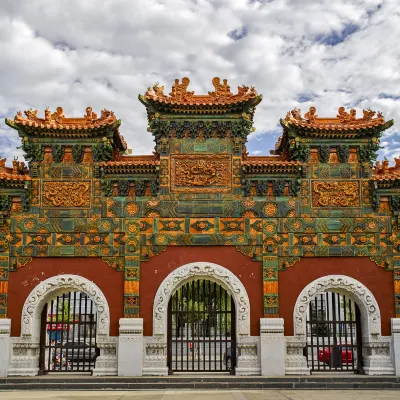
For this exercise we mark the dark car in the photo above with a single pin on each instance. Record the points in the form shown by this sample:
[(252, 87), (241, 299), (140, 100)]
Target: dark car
[(229, 357), (75, 351)]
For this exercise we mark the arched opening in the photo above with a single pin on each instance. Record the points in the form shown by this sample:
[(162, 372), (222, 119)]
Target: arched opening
[(333, 333), (365, 319), (201, 328), (26, 353), (68, 334)]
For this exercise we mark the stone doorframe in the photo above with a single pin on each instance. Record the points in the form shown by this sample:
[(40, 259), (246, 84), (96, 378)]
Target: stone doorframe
[(376, 349), (204, 270), (155, 347), (25, 349)]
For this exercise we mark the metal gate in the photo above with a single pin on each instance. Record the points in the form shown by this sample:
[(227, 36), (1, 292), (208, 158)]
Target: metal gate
[(333, 334), (201, 328), (68, 335)]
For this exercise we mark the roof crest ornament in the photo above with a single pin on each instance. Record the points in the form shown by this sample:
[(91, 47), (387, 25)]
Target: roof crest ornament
[(383, 169), (222, 90), (343, 117), (180, 95), (179, 90), (90, 117)]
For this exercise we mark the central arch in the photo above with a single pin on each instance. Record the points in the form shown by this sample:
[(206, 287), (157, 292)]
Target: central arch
[(213, 272)]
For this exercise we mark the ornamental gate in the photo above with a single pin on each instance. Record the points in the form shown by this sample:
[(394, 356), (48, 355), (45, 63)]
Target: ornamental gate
[(201, 329), (333, 334), (68, 334)]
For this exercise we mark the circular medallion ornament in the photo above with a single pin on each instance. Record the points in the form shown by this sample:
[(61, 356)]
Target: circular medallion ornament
[(132, 208), (133, 227), (270, 209)]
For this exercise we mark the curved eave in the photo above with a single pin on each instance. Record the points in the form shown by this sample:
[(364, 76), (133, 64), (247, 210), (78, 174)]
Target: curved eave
[(57, 130), (200, 108), (14, 181), (336, 131)]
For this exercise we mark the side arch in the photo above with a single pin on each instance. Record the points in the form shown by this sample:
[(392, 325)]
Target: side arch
[(31, 312), (213, 272), (369, 308)]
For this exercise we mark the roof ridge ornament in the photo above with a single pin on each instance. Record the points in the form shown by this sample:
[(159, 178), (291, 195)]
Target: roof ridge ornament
[(222, 94), (222, 90), (90, 117), (179, 90), (343, 117)]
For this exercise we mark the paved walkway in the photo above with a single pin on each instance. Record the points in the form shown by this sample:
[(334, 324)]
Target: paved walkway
[(207, 395)]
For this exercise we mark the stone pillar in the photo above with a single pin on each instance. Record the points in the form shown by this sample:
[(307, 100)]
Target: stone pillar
[(273, 349), (5, 328), (396, 345), (130, 347)]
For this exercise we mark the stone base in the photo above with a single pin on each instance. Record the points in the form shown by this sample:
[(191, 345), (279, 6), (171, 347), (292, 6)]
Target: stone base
[(377, 359), (24, 357), (106, 363), (296, 363)]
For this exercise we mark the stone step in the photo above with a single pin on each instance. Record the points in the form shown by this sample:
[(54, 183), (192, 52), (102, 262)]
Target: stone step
[(190, 382)]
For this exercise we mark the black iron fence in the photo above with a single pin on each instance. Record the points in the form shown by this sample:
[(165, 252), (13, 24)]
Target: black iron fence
[(68, 340), (201, 328), (333, 334)]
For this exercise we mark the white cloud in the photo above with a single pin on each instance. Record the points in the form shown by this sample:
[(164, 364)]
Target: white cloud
[(296, 53)]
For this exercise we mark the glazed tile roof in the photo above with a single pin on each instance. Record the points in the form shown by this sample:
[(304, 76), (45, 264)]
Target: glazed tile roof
[(17, 173), (54, 124), (219, 101), (261, 160), (179, 94), (261, 164), (382, 172), (57, 120), (344, 121), (128, 163)]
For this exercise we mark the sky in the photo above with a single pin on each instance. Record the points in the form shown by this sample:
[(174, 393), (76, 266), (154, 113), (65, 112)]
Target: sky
[(79, 53)]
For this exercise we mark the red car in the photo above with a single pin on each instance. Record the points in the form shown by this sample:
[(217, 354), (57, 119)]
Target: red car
[(325, 355)]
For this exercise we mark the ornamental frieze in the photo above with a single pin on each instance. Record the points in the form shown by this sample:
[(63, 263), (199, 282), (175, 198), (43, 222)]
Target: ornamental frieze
[(201, 173), (335, 193), (66, 194)]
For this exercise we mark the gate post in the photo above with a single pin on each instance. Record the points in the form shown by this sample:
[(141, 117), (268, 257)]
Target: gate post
[(273, 348), (130, 347), (5, 328), (396, 344)]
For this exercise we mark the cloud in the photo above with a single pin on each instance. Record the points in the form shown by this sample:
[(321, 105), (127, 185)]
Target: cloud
[(79, 53)]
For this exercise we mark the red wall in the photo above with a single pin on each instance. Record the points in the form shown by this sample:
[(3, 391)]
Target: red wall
[(22, 282), (376, 279), (153, 272)]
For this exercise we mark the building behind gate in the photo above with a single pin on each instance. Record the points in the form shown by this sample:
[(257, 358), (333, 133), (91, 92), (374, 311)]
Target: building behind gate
[(199, 257)]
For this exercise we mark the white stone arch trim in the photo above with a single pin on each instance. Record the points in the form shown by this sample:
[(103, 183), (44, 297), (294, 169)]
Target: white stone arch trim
[(36, 300), (342, 284), (210, 271)]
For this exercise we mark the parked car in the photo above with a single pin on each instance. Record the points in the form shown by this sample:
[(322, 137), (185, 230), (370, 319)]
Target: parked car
[(79, 351), (228, 358), (326, 354)]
